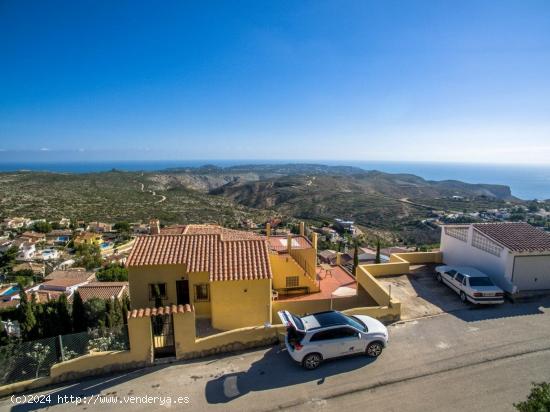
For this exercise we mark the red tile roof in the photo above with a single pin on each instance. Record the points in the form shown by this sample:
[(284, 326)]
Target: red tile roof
[(103, 290), (62, 282), (33, 235), (226, 234), (166, 310), (223, 259), (516, 236), (80, 275)]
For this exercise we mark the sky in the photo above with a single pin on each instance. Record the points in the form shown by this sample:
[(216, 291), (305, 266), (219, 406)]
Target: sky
[(451, 81)]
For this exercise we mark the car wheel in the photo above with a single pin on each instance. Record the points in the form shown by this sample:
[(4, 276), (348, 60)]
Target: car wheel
[(439, 278), (463, 297), (374, 349), (312, 361)]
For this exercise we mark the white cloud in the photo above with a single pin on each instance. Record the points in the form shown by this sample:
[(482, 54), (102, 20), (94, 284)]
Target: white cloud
[(44, 149)]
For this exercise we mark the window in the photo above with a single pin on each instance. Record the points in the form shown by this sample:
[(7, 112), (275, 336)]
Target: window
[(341, 333), (460, 233), (202, 292), (481, 281), (459, 277), (338, 333), (292, 281), (323, 335), (153, 290), (487, 245)]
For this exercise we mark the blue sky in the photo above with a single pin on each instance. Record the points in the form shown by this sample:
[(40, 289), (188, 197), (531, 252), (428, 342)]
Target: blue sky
[(464, 81)]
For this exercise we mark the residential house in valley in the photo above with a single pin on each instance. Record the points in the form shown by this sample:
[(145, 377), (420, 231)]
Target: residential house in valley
[(33, 237), (88, 238), (80, 275), (99, 227), (103, 290)]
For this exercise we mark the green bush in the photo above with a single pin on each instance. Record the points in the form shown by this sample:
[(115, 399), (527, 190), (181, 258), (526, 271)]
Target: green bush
[(538, 400)]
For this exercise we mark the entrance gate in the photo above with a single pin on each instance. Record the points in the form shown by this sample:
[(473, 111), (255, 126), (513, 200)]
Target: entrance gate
[(163, 335)]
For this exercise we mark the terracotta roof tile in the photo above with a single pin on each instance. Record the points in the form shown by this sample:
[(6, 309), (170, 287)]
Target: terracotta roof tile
[(223, 259), (516, 236), (226, 234), (165, 310), (102, 290), (80, 275), (62, 282)]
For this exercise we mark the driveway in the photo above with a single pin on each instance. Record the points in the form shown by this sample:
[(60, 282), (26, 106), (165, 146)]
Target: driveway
[(421, 294), (475, 360)]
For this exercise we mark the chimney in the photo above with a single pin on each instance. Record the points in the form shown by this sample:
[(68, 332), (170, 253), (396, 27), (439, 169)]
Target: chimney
[(288, 243), (338, 259), (314, 240), (268, 229), (154, 226), (302, 229)]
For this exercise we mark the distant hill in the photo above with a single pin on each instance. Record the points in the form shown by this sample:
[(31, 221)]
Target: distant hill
[(390, 202)]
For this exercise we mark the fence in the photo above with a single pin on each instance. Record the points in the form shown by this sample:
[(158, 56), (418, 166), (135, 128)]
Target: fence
[(28, 360)]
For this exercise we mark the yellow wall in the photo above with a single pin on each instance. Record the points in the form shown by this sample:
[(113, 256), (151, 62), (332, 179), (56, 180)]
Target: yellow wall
[(307, 258), (95, 240), (416, 258), (202, 309), (302, 307), (139, 278), (283, 266), (240, 303), (189, 346)]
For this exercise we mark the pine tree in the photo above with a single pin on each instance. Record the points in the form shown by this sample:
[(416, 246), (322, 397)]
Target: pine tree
[(116, 319), (27, 320), (377, 259), (63, 315), (125, 308), (108, 313), (79, 313)]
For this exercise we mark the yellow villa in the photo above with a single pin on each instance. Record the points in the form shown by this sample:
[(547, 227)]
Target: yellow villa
[(88, 238), (230, 277)]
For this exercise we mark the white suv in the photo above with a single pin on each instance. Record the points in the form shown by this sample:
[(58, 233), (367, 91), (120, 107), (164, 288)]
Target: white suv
[(471, 284), (324, 335)]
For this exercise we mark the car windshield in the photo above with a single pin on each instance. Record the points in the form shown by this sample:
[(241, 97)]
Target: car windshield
[(356, 323), (481, 281)]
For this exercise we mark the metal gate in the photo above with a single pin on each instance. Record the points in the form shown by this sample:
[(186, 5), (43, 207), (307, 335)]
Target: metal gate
[(163, 335)]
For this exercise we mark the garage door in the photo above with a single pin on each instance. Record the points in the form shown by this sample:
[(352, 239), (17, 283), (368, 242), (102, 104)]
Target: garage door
[(532, 272)]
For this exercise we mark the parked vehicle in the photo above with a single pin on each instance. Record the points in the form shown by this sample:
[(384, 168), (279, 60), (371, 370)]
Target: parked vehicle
[(471, 284), (313, 338)]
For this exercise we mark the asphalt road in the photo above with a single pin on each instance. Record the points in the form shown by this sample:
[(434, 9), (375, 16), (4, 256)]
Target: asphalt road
[(470, 359)]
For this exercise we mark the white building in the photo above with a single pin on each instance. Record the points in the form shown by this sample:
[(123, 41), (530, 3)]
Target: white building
[(26, 251), (515, 255)]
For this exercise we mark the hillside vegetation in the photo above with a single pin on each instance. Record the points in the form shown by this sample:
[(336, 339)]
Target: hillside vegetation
[(391, 202)]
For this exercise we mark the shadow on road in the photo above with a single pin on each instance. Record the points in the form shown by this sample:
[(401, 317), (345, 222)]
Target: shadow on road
[(275, 370), (88, 389)]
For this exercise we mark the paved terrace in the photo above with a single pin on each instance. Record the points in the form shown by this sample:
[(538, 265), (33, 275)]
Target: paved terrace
[(330, 281)]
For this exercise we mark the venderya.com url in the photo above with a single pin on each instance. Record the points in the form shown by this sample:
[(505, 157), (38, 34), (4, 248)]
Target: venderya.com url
[(101, 400)]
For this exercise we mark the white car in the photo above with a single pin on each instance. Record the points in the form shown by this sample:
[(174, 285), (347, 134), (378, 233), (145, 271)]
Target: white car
[(471, 284), (313, 338)]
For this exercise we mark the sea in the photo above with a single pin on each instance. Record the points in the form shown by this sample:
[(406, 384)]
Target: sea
[(526, 181)]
